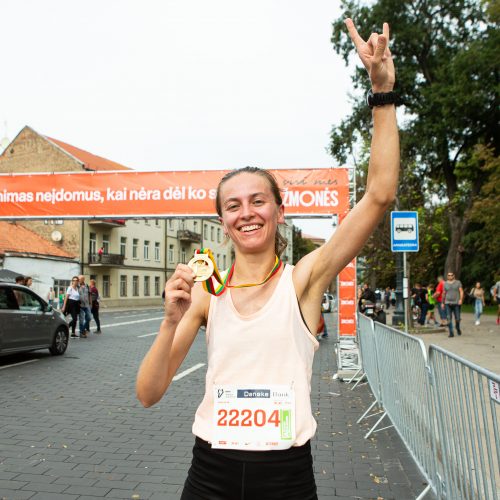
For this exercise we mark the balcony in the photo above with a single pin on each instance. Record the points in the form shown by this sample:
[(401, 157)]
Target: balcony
[(107, 223), (186, 236), (106, 260)]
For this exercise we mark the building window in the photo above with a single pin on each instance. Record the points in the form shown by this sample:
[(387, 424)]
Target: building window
[(195, 226), (224, 262), (123, 285), (60, 287), (123, 245), (170, 223), (170, 253), (218, 260), (157, 251), (105, 285), (135, 286), (146, 286), (135, 248), (212, 233), (146, 249), (146, 221), (183, 255), (105, 243), (157, 222), (205, 232), (218, 234), (157, 286), (92, 243)]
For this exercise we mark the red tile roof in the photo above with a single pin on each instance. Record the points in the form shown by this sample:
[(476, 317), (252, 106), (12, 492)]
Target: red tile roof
[(89, 160), (16, 238)]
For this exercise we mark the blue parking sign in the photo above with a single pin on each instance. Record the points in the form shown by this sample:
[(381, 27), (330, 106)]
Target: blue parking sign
[(404, 231)]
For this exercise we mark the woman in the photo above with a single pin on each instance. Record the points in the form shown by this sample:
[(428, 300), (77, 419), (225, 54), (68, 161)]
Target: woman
[(94, 304), (432, 304), (72, 304), (260, 345), (478, 296)]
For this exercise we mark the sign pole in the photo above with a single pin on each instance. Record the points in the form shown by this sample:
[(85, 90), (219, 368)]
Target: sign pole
[(405, 292)]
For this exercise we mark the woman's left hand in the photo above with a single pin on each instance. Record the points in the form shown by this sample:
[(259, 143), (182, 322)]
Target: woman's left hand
[(375, 56)]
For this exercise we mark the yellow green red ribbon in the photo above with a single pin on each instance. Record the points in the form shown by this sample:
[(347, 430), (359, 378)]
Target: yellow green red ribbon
[(223, 282)]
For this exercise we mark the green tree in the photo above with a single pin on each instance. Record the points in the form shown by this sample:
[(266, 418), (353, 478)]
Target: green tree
[(446, 55), (301, 246)]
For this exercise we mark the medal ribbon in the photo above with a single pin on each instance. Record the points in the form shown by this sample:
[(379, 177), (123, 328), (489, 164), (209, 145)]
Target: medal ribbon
[(223, 283)]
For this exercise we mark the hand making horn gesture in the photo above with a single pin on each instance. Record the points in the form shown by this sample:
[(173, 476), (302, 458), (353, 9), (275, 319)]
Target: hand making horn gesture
[(376, 57)]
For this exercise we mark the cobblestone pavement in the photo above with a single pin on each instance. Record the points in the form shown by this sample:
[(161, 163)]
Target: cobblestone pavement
[(71, 428)]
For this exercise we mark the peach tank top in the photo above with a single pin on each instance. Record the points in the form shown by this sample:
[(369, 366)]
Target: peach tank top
[(271, 346)]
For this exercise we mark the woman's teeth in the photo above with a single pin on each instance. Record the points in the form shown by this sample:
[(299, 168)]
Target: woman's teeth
[(245, 229)]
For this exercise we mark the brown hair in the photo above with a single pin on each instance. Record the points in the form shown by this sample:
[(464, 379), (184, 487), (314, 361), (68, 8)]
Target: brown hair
[(280, 242)]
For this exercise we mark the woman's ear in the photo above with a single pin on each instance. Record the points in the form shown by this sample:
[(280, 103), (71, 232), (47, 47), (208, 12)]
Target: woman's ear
[(281, 214), (221, 221)]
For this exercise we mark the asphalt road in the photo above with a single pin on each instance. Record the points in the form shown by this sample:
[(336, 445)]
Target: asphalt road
[(71, 428)]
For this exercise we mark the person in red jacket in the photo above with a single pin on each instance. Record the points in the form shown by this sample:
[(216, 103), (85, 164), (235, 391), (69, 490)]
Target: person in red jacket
[(438, 295)]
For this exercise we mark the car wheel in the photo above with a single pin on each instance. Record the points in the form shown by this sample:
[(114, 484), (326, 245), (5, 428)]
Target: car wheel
[(60, 342)]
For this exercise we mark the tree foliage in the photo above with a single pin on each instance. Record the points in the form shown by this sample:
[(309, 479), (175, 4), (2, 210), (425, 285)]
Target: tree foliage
[(301, 246), (446, 56)]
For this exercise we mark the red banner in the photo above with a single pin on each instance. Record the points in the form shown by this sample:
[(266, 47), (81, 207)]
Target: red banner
[(178, 193), (346, 291)]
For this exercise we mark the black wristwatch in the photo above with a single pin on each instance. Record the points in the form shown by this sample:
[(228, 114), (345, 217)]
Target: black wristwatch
[(382, 98)]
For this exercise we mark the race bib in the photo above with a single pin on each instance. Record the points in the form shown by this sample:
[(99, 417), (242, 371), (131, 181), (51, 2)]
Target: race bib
[(254, 417)]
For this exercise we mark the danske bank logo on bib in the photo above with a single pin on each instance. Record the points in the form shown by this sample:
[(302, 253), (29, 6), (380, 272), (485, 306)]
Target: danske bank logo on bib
[(253, 393)]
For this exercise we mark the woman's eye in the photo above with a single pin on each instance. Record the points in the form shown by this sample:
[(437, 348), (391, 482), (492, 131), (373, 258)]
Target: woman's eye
[(231, 207), (258, 202)]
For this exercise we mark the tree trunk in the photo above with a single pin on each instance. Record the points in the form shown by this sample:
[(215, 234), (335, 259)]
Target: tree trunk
[(458, 227)]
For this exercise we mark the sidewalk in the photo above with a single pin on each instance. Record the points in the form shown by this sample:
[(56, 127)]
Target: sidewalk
[(348, 466), (479, 344)]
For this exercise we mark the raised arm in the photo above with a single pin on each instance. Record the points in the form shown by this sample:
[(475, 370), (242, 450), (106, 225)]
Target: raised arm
[(315, 271)]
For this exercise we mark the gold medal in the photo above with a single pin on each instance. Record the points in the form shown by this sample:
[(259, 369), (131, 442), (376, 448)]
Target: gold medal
[(202, 266)]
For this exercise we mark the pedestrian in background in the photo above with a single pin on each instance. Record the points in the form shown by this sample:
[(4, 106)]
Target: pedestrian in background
[(387, 297), (496, 298), (71, 304), (432, 305), (453, 296), (477, 293), (438, 295), (94, 305), (51, 297), (393, 297), (28, 281), (84, 307), (61, 299)]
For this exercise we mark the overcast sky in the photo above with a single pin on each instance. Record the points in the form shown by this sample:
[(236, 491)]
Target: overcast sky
[(177, 84)]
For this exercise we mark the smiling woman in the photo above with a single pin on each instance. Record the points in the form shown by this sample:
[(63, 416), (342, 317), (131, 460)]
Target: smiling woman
[(254, 425)]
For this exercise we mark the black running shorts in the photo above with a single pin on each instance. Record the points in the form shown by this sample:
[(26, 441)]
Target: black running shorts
[(217, 474)]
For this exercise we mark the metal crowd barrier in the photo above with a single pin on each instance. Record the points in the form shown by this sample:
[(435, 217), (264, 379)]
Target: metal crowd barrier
[(445, 409), (370, 367), (467, 398), (406, 396)]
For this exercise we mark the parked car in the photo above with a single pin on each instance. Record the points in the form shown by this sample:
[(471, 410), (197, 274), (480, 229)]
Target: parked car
[(328, 304), (28, 323)]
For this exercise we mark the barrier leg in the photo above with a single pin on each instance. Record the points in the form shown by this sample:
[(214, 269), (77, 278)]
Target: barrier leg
[(422, 495), (354, 376), (366, 412), (372, 430)]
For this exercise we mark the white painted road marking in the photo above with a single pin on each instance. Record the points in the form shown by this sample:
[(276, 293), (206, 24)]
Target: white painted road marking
[(188, 371), (147, 335), (131, 322), (17, 364)]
